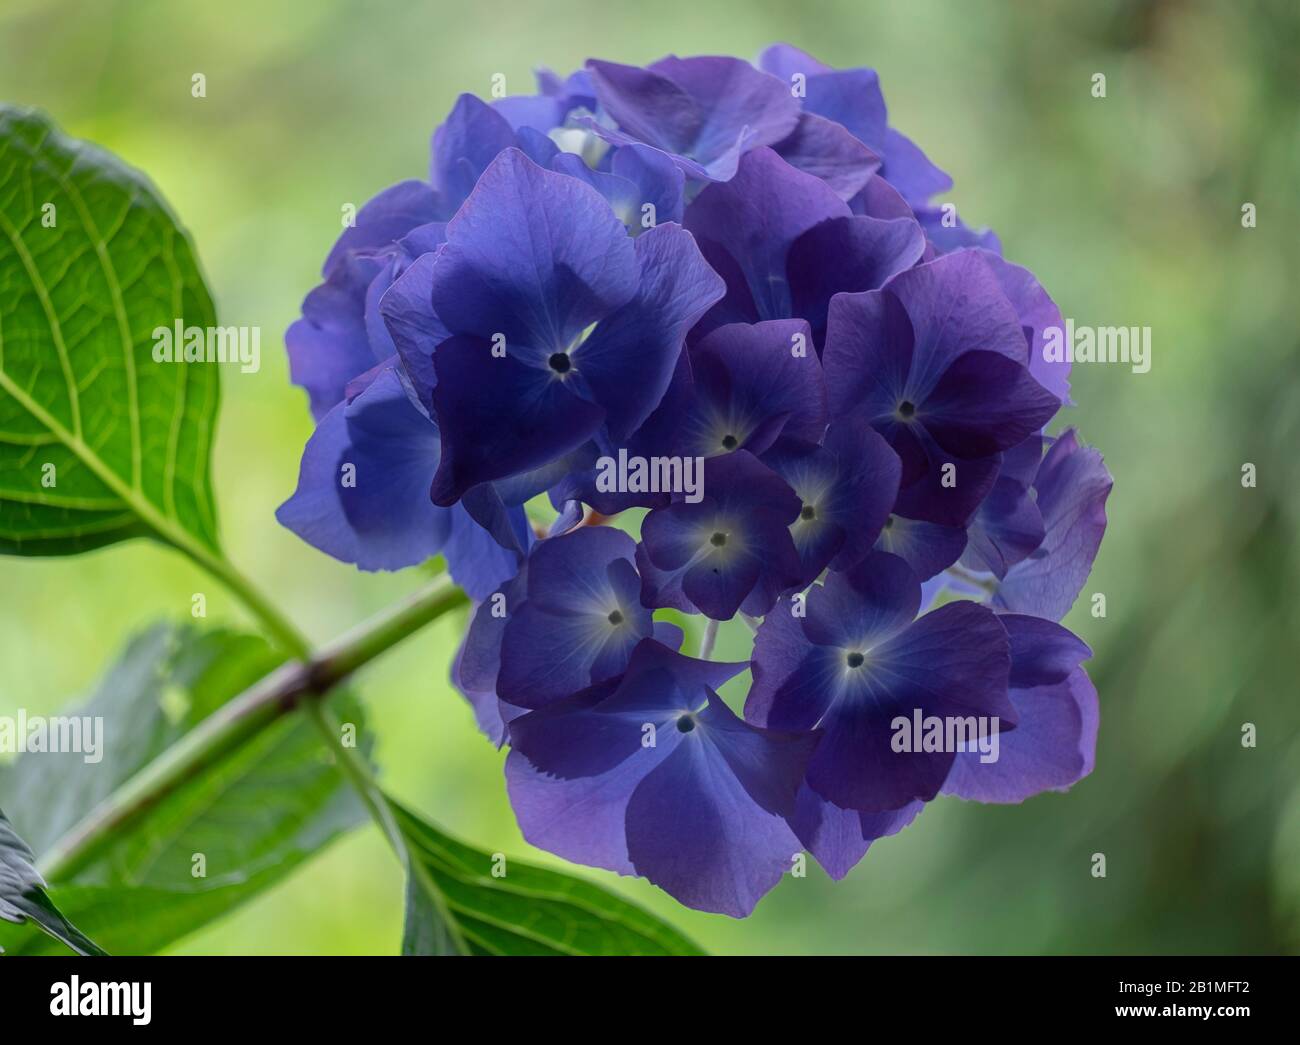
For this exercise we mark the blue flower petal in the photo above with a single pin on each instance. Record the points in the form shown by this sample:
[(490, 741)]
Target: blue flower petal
[(707, 824), (363, 490), (839, 838), (1072, 487), (580, 621)]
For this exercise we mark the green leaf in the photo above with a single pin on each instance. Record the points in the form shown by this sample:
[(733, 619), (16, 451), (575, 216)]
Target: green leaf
[(426, 929), (456, 906), (253, 817), (22, 894), (98, 442)]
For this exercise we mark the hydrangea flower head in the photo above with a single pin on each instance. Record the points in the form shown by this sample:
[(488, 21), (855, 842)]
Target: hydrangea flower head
[(695, 341)]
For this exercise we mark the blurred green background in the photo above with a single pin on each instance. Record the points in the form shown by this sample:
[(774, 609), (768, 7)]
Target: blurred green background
[(1128, 208)]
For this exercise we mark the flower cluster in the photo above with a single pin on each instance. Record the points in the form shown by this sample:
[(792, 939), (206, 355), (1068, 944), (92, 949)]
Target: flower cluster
[(714, 300)]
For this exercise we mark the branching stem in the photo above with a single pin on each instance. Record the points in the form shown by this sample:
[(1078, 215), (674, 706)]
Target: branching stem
[(245, 716)]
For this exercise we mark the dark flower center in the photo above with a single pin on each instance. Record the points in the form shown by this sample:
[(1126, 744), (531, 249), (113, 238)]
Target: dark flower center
[(730, 442), (685, 724), (854, 660), (559, 362), (889, 522), (718, 539), (615, 617), (906, 409), (807, 512)]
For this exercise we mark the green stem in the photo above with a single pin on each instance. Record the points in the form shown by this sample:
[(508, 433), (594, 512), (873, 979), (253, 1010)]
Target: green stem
[(283, 631), (166, 527), (354, 767), (372, 795), (237, 721)]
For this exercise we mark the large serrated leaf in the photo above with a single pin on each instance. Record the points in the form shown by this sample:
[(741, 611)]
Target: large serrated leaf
[(23, 898), (253, 817), (455, 905), (98, 442)]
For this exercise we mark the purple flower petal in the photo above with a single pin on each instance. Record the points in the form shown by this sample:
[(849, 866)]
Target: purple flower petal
[(703, 112), (839, 838), (1008, 526), (1037, 313), (1072, 486), (947, 232), (1051, 748), (1042, 652), (826, 150), (580, 621), (629, 359), (534, 255), (464, 147), (928, 548), (746, 228), (577, 763), (413, 326), (500, 416), (936, 361), (859, 670), (707, 824), (852, 98), (753, 382), (983, 404), (330, 345), (732, 548), (363, 490), (385, 219), (847, 255), (847, 486), (658, 180)]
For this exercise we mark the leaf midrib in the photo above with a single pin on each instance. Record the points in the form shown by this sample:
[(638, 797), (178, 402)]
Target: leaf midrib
[(163, 521), (165, 526)]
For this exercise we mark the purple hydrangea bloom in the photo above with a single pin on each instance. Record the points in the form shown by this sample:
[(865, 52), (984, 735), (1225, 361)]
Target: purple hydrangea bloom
[(786, 244), (928, 547), (579, 620), (852, 99), (703, 112), (706, 113), (363, 492), (846, 484), (1050, 748), (1071, 485), (718, 300), (559, 323), (1055, 703), (857, 659), (937, 362), (341, 334), (732, 550), (656, 776), (1008, 525), (752, 383)]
